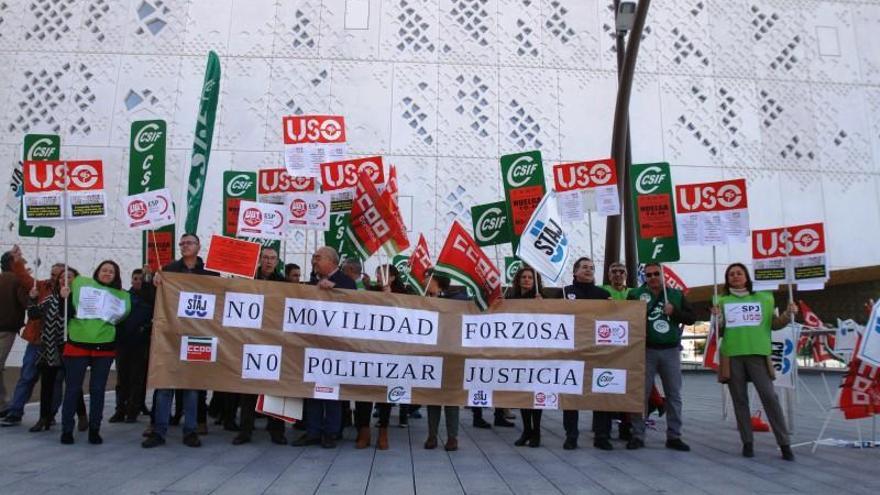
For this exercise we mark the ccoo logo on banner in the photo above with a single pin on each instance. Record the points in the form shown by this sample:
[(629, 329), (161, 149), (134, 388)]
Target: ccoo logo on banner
[(544, 244)]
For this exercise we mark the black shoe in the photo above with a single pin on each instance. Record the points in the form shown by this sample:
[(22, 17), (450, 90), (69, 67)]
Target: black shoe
[(131, 419), (95, 437), (67, 438), (231, 426), (153, 440), (41, 425), (634, 444), (118, 417), (11, 420), (305, 440), (175, 420), (191, 439), (677, 444), (523, 439), (535, 440), (4, 413), (328, 442), (416, 414), (404, 421), (241, 438), (500, 421), (603, 444), (481, 423), (570, 444), (787, 454), (748, 450), (278, 438)]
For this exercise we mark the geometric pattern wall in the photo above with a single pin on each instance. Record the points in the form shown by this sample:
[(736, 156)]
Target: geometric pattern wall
[(784, 93)]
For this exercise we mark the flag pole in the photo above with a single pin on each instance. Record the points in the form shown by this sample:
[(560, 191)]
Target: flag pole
[(65, 201), (590, 226), (156, 252), (663, 283), (37, 263)]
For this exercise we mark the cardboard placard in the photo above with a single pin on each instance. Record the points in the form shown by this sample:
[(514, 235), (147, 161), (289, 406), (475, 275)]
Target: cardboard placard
[(233, 256)]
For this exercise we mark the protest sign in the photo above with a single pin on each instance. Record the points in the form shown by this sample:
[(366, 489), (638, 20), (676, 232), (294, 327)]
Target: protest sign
[(783, 355), (343, 175), (544, 245), (794, 254), (491, 224), (461, 259), (310, 140), (233, 256), (573, 180), (287, 409), (310, 211), (261, 220), (359, 345), (57, 190), (36, 147), (869, 350), (237, 186), (148, 210), (656, 237), (146, 172), (846, 336), (523, 177), (275, 184), (712, 213), (202, 139)]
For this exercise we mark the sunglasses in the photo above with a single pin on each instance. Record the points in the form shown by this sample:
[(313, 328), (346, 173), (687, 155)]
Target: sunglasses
[(652, 274)]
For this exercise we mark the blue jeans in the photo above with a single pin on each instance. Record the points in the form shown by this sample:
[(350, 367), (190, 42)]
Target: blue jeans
[(162, 410), (75, 368), (323, 417), (26, 381)]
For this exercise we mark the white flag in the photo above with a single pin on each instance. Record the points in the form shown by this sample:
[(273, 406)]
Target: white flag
[(869, 350), (543, 243), (783, 354)]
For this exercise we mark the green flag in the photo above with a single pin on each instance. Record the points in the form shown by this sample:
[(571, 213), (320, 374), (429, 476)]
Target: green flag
[(38, 147), (523, 177), (202, 143), (146, 172), (656, 235)]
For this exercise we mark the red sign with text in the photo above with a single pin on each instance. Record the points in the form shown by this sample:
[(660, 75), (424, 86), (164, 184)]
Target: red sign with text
[(344, 174), (278, 181), (233, 256), (798, 240), (711, 196), (584, 175), (302, 129)]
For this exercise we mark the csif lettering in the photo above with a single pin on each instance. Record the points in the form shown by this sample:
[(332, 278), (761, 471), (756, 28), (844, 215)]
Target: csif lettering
[(650, 179), (521, 170)]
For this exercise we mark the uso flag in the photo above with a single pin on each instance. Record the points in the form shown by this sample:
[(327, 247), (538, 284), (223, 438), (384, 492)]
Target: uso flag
[(543, 244)]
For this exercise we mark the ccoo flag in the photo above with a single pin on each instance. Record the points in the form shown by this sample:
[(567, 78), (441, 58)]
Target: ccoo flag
[(204, 134), (543, 244)]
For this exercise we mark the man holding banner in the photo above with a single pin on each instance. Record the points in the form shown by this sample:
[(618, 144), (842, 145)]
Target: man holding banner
[(668, 310)]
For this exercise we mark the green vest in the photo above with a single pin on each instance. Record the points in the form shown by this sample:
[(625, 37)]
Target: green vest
[(98, 310), (661, 330), (617, 295), (747, 324)]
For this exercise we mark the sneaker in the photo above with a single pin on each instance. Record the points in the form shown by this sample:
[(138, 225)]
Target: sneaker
[(192, 440), (634, 444), (241, 438), (67, 438), (481, 423), (570, 444), (10, 420), (118, 417), (787, 454), (95, 437), (305, 440), (748, 450), (602, 444), (152, 440), (677, 444)]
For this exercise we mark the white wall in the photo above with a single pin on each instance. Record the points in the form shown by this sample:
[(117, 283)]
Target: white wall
[(784, 93)]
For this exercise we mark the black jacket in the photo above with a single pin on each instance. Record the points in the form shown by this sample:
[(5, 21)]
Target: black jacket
[(341, 281), (580, 290), (273, 277), (13, 301), (135, 330), (179, 266)]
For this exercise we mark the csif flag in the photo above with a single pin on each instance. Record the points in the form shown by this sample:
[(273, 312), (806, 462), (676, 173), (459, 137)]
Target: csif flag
[(398, 236), (371, 222), (462, 260), (419, 264), (543, 244), (198, 172)]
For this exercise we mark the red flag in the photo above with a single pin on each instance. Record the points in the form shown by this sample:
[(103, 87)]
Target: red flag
[(820, 342), (673, 281), (710, 353), (860, 390), (370, 218), (462, 260), (420, 262), (398, 228)]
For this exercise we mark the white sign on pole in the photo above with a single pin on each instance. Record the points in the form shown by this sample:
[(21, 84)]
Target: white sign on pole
[(543, 244), (783, 355), (869, 350), (309, 211), (149, 210), (261, 220)]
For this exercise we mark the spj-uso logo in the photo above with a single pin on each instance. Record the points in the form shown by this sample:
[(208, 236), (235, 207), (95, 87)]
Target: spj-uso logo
[(521, 171), (550, 239), (239, 185), (490, 223), (710, 197), (650, 179)]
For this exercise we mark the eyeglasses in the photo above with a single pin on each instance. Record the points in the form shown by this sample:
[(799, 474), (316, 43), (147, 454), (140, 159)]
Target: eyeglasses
[(618, 270), (652, 274), (186, 243)]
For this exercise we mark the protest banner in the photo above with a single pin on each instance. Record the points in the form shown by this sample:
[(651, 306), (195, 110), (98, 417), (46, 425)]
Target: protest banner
[(36, 147), (233, 256), (656, 237), (310, 211), (712, 213), (310, 140), (794, 255), (146, 172), (362, 345), (491, 224), (148, 210), (523, 177), (544, 245), (585, 187), (204, 135), (343, 175), (261, 220), (462, 260), (56, 191), (783, 355), (275, 184)]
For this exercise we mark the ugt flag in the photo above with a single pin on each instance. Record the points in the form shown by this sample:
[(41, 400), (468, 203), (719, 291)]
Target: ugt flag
[(462, 260), (543, 244)]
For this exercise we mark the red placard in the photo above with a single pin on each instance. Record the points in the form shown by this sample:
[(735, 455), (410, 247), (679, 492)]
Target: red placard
[(159, 243), (711, 196), (85, 175), (233, 256), (344, 174), (797, 240), (303, 129), (277, 180), (655, 216), (584, 175), (523, 201)]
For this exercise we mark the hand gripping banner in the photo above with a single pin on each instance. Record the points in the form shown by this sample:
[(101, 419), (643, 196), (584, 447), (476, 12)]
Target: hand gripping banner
[(291, 340)]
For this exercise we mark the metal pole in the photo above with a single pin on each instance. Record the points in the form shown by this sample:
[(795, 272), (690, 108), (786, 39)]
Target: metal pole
[(64, 208), (590, 226)]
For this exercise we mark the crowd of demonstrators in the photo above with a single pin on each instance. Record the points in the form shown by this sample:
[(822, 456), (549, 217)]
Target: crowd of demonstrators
[(746, 319), (15, 300)]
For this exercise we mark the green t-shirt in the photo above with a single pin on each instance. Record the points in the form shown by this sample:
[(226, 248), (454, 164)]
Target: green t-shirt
[(617, 295), (747, 324), (662, 330), (98, 310)]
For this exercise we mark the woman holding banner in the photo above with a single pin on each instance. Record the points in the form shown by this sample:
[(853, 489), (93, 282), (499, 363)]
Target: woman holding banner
[(746, 319), (438, 285), (96, 305), (527, 285)]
